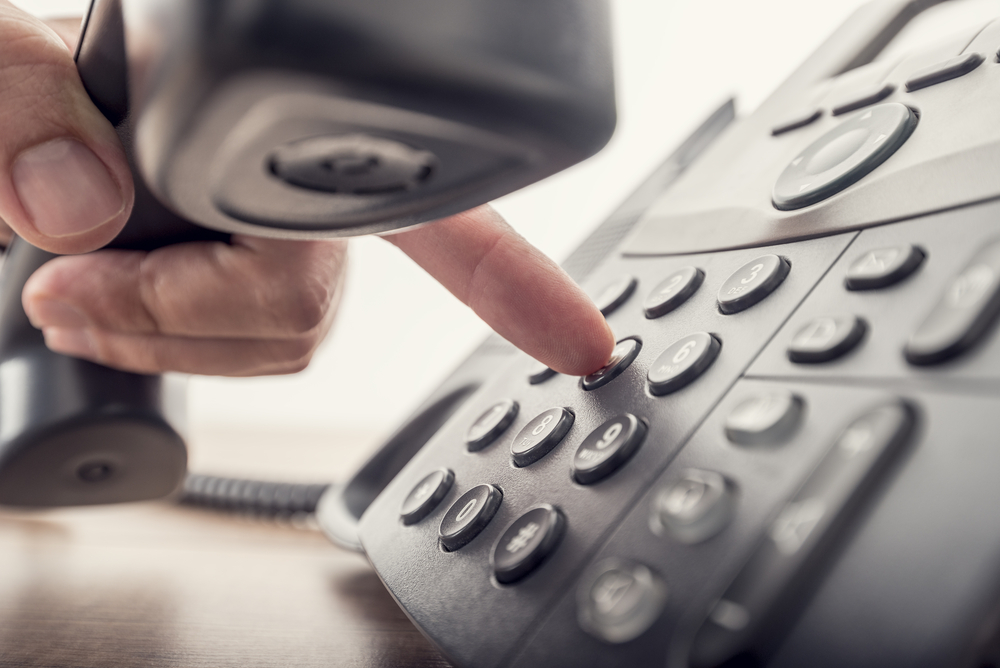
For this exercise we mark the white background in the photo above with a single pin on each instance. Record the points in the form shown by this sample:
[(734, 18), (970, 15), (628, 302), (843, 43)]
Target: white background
[(399, 332)]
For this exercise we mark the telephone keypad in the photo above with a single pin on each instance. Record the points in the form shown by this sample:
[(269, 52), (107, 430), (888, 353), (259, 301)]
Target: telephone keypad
[(621, 357), (681, 363), (488, 426), (468, 516), (526, 542), (826, 338), (607, 448), (752, 282), (540, 435)]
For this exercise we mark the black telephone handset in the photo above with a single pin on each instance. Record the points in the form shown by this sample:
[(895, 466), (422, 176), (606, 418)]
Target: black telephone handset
[(790, 459), (295, 119)]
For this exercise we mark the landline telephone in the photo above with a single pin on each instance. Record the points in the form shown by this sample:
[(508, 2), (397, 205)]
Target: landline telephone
[(789, 459)]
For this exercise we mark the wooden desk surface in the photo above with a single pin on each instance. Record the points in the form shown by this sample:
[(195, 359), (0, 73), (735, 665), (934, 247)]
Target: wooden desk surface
[(154, 584)]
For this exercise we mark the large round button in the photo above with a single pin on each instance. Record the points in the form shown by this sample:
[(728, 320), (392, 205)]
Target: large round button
[(490, 424), (694, 508), (672, 291), (607, 448), (425, 496), (843, 155), (621, 357), (682, 362), (540, 435), (526, 543), (752, 282), (468, 516), (619, 600)]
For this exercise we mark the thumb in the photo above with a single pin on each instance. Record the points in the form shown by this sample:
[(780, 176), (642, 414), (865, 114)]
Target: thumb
[(65, 184)]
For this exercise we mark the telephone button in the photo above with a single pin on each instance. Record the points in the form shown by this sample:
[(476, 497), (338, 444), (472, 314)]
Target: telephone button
[(608, 447), (468, 516), (769, 417), (963, 314), (694, 508), (490, 424), (540, 435), (843, 155), (615, 294), (752, 282), (526, 543), (882, 267), (800, 120), (539, 373), (944, 71), (672, 291), (426, 496), (621, 357), (618, 600), (682, 363), (826, 338), (865, 98)]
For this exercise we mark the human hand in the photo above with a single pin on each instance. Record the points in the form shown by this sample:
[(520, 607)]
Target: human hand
[(256, 306)]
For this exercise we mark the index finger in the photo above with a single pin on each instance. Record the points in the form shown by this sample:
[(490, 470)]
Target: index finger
[(522, 294)]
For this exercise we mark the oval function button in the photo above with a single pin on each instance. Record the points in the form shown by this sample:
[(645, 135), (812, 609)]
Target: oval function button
[(797, 121), (490, 424), (682, 362), (539, 373), (618, 600), (672, 291), (751, 283), (468, 516), (944, 71), (607, 448), (425, 496), (526, 543), (850, 468), (864, 98), (766, 418), (694, 508), (826, 338), (540, 435), (882, 267), (615, 294), (621, 357), (964, 312), (843, 155)]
